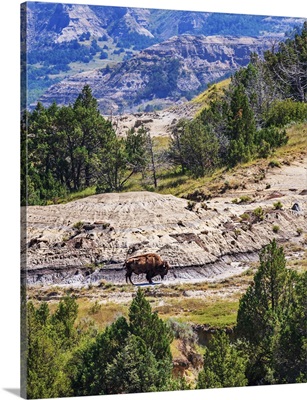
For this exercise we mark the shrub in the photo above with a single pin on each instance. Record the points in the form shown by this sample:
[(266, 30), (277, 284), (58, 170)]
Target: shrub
[(226, 186), (264, 149), (191, 205), (259, 177), (276, 228), (259, 213), (204, 206), (245, 199), (237, 232), (269, 138), (96, 307), (78, 225), (283, 112), (278, 205), (245, 217), (183, 331), (274, 163)]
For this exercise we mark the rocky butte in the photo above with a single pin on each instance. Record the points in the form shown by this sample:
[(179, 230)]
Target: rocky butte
[(163, 74), (87, 240)]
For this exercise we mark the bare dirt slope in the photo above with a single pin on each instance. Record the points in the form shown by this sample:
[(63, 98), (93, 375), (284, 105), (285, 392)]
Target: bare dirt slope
[(157, 123), (88, 240)]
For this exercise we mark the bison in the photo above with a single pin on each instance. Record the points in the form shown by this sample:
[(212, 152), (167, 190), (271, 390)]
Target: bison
[(150, 264)]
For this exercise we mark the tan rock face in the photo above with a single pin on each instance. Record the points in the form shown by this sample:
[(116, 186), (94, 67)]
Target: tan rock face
[(127, 85), (88, 240), (81, 19)]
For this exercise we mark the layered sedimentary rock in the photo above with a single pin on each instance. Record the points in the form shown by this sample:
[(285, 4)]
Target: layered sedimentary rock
[(88, 240), (162, 75)]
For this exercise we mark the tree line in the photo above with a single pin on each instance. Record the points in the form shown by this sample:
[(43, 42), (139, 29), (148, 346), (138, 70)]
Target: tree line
[(66, 149), (65, 358), (133, 355), (270, 333), (248, 120), (59, 55), (70, 148)]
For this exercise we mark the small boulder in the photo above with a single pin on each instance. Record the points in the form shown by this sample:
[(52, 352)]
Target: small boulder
[(296, 207)]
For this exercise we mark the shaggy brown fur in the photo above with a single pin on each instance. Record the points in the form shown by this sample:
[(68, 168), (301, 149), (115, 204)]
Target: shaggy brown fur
[(150, 264)]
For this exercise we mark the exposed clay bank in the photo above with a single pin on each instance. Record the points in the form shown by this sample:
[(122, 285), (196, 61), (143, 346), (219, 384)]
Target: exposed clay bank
[(88, 240)]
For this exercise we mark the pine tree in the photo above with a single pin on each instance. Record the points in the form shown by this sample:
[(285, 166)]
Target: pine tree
[(224, 366), (241, 128), (134, 370), (147, 325), (195, 147), (91, 125), (291, 353), (261, 311)]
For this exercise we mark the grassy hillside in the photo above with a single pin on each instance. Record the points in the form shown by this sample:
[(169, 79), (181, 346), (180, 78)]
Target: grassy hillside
[(180, 185), (172, 181), (213, 92)]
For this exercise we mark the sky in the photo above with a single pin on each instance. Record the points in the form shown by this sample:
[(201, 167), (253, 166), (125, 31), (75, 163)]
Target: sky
[(10, 212)]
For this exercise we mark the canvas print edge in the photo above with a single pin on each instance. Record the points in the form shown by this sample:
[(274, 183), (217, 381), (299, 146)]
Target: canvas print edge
[(23, 330)]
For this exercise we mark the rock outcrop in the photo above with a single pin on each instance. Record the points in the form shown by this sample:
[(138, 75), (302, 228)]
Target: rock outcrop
[(161, 75), (103, 35), (50, 23), (88, 240)]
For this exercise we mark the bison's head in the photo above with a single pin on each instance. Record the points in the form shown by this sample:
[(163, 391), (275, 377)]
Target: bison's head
[(165, 269)]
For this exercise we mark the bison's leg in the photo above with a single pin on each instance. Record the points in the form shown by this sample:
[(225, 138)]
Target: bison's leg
[(128, 275), (149, 276)]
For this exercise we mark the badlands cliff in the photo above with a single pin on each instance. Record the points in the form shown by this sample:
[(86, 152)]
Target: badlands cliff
[(87, 240)]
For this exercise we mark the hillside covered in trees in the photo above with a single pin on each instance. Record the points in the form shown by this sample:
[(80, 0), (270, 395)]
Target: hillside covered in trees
[(60, 40), (74, 150), (248, 120), (71, 148), (68, 356)]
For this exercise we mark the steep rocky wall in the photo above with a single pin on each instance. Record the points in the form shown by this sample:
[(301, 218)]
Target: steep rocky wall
[(125, 86), (88, 240)]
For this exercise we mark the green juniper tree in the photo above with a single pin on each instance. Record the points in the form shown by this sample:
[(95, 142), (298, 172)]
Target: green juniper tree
[(145, 323), (134, 370), (195, 147), (63, 321), (290, 358), (126, 357), (48, 349), (241, 129), (156, 334), (224, 365), (262, 310), (89, 363)]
